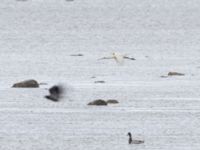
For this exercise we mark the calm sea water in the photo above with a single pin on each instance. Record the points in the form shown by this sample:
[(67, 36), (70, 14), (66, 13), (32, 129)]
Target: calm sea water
[(37, 38)]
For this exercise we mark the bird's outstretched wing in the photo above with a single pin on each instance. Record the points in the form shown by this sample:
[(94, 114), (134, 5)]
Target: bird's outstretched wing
[(105, 58), (131, 58), (50, 97)]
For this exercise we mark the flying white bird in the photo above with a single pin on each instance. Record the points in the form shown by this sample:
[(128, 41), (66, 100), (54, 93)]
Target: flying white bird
[(119, 58)]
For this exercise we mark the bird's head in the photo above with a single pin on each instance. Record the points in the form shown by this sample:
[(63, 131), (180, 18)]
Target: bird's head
[(129, 134), (114, 53)]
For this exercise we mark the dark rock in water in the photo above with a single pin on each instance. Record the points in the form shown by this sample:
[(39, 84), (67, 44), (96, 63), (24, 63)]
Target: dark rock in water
[(55, 93), (99, 81), (103, 102), (163, 76), (112, 101), (43, 83), (98, 102), (76, 55), (26, 84), (175, 74)]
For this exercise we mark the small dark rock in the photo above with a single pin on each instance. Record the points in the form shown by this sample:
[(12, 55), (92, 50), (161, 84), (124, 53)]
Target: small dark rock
[(99, 81), (26, 84), (43, 83), (76, 55), (98, 102), (175, 74), (163, 76), (112, 101)]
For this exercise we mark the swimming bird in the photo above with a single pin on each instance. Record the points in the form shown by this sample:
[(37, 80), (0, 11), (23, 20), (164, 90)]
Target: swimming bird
[(55, 93), (131, 141)]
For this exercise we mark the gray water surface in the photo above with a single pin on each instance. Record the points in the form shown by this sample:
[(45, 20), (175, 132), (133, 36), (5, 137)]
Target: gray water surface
[(37, 38)]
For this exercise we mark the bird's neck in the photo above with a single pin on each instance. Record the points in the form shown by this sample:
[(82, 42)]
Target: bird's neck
[(130, 139)]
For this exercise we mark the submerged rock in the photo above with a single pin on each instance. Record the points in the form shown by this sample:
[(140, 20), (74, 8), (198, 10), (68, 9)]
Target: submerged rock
[(163, 76), (175, 74), (76, 55), (99, 82), (98, 102), (103, 102), (43, 83), (112, 101), (26, 84)]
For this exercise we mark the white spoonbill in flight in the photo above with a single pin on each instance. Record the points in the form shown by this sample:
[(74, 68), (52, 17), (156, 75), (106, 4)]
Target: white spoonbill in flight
[(119, 58)]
